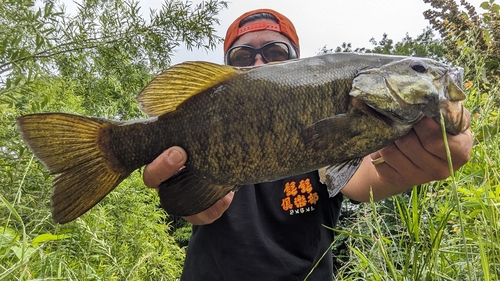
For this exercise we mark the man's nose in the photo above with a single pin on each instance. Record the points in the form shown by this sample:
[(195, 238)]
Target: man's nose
[(258, 60)]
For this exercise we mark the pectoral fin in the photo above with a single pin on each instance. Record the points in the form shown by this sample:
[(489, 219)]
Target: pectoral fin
[(187, 194), (325, 133)]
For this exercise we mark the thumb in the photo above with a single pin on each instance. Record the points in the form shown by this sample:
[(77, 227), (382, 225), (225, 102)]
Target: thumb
[(164, 166)]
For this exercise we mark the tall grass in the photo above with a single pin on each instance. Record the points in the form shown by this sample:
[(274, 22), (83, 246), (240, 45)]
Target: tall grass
[(445, 230)]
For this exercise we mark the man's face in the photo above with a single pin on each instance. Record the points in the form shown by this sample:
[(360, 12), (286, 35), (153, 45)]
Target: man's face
[(257, 39)]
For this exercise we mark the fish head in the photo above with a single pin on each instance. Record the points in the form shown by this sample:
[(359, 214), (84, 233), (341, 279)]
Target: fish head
[(405, 90)]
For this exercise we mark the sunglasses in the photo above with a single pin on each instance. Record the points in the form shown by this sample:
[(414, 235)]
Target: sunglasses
[(243, 55)]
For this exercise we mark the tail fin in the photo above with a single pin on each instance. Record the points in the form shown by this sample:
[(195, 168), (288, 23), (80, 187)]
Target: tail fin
[(69, 146)]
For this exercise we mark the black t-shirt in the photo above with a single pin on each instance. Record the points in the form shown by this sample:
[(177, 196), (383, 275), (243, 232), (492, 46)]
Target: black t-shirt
[(271, 231)]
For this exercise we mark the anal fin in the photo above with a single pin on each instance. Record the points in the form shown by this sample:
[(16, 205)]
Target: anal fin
[(187, 194)]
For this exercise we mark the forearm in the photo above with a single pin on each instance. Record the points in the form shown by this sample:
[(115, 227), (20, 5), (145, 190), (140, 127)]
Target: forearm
[(366, 179)]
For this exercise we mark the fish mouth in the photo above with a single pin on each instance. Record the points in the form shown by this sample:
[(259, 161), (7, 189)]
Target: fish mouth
[(450, 105), (456, 119)]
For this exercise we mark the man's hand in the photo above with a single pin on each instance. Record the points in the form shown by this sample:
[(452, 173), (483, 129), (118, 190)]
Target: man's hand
[(416, 158), (213, 213), (168, 164), (420, 156)]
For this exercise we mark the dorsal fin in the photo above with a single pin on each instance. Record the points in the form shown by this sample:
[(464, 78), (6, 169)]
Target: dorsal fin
[(180, 82)]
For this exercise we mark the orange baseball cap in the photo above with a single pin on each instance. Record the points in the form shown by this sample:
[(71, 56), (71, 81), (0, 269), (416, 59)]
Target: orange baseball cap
[(284, 26)]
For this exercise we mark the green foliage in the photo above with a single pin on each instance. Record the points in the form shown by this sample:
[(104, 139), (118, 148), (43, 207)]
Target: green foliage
[(122, 238), (93, 62), (445, 230), (464, 30), (425, 45), (107, 51), (180, 230), (96, 61)]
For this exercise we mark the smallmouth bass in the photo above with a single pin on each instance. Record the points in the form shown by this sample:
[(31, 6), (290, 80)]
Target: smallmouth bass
[(244, 125)]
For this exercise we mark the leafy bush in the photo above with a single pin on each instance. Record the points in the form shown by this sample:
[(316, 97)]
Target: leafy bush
[(92, 63)]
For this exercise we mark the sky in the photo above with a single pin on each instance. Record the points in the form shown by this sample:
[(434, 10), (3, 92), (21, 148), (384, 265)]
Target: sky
[(321, 22)]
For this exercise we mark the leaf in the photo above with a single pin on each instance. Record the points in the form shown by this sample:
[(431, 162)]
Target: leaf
[(496, 8), (47, 237), (485, 5), (38, 41), (23, 254), (7, 236)]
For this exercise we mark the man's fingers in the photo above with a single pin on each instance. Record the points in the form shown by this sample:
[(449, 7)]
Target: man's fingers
[(431, 137), (164, 166), (213, 213)]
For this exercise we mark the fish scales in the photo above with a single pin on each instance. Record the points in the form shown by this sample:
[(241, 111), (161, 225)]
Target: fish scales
[(255, 120), (242, 126)]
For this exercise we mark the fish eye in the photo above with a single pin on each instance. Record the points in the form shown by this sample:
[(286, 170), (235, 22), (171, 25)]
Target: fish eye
[(419, 67)]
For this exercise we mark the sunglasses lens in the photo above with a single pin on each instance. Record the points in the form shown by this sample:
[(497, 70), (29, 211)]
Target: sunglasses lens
[(275, 52), (241, 56), (245, 55)]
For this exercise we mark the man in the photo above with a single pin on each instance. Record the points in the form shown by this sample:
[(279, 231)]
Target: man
[(276, 231)]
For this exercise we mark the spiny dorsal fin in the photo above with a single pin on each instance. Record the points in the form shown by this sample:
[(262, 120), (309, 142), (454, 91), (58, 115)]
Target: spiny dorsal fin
[(180, 82)]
